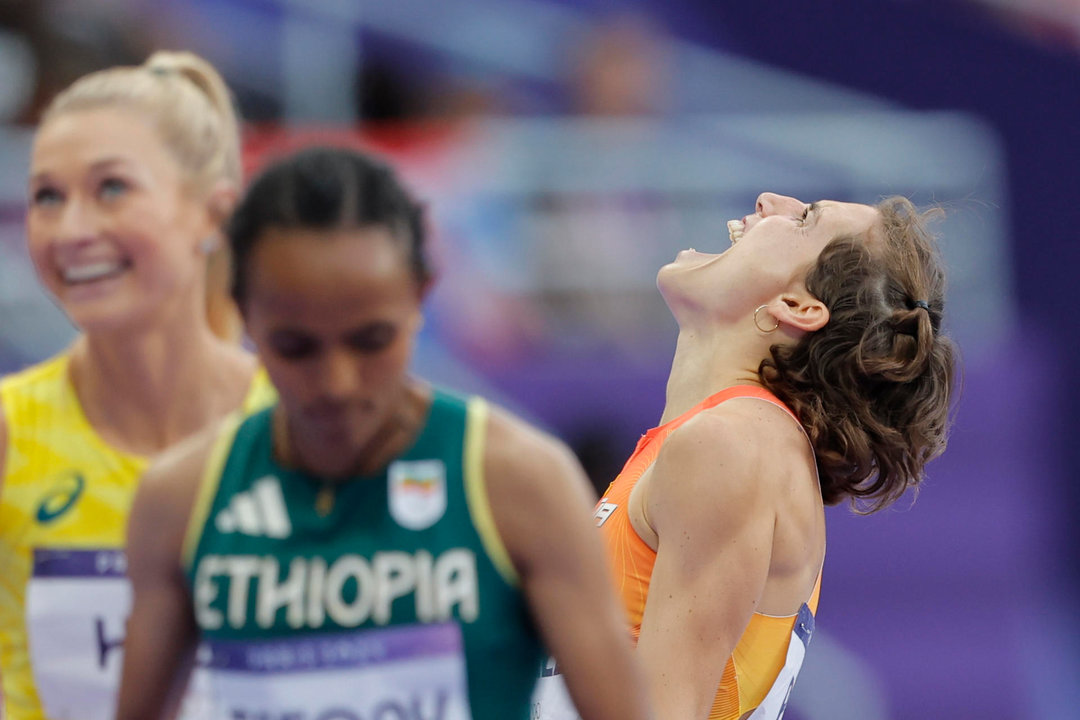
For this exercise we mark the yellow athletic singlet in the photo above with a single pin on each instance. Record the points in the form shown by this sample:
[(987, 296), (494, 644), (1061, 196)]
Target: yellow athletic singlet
[(64, 506)]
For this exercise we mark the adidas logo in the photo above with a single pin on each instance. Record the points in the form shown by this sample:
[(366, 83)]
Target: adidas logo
[(259, 512)]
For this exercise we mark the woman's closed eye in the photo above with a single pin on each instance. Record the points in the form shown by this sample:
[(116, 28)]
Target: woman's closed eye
[(295, 346), (372, 338)]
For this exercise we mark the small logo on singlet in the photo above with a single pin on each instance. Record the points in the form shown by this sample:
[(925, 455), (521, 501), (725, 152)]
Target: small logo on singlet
[(417, 492), (603, 511), (61, 497), (259, 512)]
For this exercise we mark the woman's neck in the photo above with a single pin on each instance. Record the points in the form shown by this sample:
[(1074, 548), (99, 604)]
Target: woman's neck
[(145, 390), (293, 447), (704, 364)]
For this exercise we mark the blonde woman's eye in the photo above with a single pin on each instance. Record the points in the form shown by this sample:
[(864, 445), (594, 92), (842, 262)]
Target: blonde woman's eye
[(113, 187), (45, 196)]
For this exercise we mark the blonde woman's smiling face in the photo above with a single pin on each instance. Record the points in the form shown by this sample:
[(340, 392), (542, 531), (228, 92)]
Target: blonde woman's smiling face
[(112, 227)]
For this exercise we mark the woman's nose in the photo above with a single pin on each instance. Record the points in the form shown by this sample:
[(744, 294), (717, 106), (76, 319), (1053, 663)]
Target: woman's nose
[(771, 204), (76, 221)]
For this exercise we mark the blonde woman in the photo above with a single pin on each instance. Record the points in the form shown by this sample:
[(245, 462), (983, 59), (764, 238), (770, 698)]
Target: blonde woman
[(133, 170)]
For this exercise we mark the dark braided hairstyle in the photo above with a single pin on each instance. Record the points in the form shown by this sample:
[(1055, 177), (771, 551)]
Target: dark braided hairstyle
[(873, 386), (326, 188)]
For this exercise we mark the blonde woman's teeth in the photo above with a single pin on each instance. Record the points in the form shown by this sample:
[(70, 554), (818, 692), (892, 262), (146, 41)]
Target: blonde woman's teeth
[(91, 271), (735, 230)]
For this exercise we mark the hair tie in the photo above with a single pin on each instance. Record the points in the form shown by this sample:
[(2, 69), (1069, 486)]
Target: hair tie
[(161, 71), (922, 304)]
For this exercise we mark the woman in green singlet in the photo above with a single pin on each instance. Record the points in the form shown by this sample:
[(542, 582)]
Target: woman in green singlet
[(372, 546)]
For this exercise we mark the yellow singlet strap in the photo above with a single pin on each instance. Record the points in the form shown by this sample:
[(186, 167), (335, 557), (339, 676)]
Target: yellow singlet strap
[(476, 419), (211, 477)]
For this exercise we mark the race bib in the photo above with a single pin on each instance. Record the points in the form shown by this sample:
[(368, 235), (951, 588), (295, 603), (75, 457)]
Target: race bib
[(76, 606), (775, 702), (551, 698), (410, 672)]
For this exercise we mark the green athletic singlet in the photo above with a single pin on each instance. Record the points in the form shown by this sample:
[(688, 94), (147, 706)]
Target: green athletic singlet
[(395, 600)]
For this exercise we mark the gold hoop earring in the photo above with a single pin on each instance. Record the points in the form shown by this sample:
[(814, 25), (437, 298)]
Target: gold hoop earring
[(758, 326)]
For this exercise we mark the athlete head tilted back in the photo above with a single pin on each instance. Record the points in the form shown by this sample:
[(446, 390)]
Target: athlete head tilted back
[(810, 367)]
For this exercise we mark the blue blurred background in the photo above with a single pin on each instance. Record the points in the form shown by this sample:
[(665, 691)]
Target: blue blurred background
[(568, 148)]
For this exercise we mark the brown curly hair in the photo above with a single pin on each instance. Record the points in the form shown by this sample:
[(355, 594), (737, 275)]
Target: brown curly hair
[(873, 386)]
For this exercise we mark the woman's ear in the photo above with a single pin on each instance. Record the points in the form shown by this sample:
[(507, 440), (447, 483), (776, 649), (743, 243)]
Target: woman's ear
[(221, 200), (800, 310)]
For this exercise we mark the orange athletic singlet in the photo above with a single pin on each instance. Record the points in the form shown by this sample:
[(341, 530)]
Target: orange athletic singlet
[(762, 669)]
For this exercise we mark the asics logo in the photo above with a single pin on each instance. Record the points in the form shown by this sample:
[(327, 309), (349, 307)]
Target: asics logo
[(65, 491)]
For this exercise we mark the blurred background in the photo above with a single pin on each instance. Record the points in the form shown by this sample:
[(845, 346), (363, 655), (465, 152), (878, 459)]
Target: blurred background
[(568, 148)]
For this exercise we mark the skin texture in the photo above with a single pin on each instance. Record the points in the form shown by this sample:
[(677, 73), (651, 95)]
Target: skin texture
[(348, 406), (732, 504)]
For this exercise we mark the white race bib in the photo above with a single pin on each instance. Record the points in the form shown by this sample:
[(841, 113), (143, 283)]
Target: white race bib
[(775, 702), (551, 698), (77, 605), (409, 672)]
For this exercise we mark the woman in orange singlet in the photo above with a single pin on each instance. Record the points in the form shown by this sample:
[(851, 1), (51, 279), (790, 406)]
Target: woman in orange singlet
[(810, 368)]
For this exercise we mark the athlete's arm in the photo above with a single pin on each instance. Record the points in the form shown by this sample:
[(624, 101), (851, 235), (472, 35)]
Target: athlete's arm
[(161, 631), (542, 501), (710, 508)]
